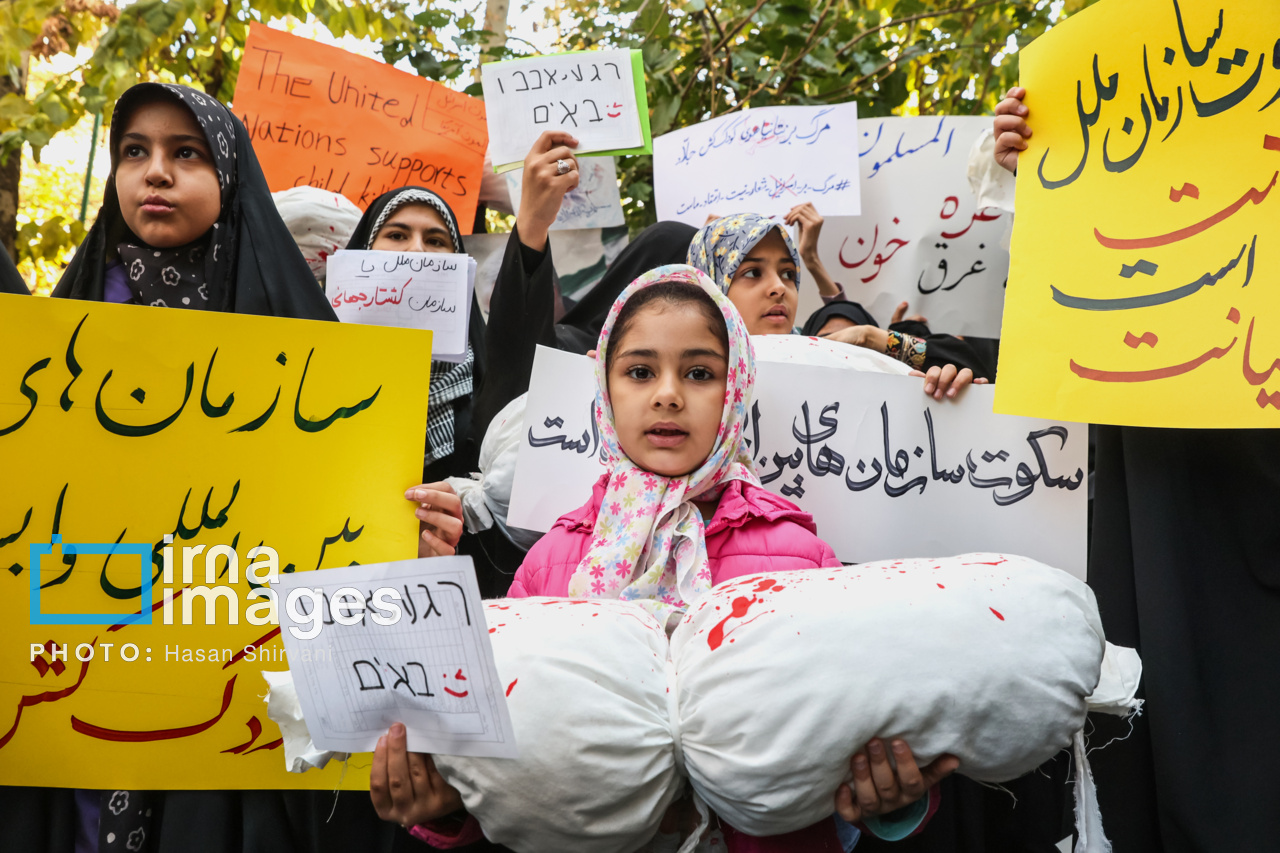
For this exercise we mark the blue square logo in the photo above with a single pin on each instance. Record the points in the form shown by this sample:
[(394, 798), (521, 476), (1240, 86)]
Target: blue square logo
[(141, 550)]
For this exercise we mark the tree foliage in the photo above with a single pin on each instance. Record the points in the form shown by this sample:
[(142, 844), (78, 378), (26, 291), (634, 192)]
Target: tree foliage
[(703, 58)]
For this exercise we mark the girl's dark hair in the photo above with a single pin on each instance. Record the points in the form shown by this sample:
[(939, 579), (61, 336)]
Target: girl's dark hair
[(672, 293)]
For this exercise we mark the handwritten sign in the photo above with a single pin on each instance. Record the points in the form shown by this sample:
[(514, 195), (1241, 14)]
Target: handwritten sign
[(323, 117), (920, 237), (1138, 291), (765, 160), (886, 471), (598, 96), (418, 654), (141, 439), (411, 290), (595, 203)]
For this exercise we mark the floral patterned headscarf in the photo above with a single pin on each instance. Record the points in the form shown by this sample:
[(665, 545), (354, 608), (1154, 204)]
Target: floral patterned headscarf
[(649, 543), (718, 249)]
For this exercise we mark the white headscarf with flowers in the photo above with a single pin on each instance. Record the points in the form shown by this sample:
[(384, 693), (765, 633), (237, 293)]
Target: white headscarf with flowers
[(649, 543)]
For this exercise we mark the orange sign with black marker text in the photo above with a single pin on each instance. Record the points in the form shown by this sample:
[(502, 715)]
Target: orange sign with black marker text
[(321, 116)]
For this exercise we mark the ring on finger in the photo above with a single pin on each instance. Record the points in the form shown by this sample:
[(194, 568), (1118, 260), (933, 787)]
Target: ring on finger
[(563, 167)]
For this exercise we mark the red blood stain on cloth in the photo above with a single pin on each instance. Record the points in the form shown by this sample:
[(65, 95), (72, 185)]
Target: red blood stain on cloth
[(997, 613), (740, 607), (511, 686)]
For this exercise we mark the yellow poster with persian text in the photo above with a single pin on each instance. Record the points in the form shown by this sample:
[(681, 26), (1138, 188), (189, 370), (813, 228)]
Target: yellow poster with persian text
[(122, 425), (1142, 288)]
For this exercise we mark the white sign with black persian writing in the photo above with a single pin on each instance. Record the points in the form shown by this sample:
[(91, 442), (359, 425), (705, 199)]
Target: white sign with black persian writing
[(886, 471), (765, 160), (411, 290)]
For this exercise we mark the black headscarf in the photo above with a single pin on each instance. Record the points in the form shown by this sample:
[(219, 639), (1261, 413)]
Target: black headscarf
[(451, 450), (383, 206), (851, 311), (10, 280), (247, 263)]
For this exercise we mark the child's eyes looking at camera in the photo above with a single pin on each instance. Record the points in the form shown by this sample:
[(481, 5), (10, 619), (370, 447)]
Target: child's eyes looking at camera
[(639, 372), (700, 374)]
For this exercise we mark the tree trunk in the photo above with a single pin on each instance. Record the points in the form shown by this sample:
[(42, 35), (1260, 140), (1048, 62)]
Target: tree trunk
[(11, 172), (495, 21)]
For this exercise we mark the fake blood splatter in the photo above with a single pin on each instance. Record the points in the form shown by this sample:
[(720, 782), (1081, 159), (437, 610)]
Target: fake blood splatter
[(741, 605), (511, 686), (997, 613)]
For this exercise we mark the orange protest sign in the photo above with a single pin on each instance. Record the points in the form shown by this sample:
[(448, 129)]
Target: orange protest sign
[(321, 116)]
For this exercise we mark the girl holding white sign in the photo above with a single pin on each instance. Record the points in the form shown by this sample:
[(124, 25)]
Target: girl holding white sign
[(681, 509)]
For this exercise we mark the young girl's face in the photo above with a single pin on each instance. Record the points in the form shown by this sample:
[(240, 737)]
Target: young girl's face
[(414, 228), (763, 287), (165, 177), (667, 386)]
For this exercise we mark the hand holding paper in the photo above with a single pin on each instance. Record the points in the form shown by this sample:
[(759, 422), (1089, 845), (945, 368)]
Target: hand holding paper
[(545, 185), (405, 786)]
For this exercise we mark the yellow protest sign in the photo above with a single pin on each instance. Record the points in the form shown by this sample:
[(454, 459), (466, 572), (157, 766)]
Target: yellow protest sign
[(122, 424), (1140, 285)]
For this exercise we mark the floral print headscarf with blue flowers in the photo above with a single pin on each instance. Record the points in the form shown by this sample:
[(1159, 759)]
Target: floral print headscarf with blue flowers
[(649, 544), (720, 247)]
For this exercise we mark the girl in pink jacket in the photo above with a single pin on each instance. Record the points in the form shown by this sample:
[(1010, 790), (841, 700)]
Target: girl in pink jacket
[(680, 510)]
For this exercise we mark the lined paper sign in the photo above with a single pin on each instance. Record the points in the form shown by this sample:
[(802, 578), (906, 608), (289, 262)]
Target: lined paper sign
[(323, 117), (765, 161), (843, 444), (598, 96), (410, 290), (404, 642), (595, 203)]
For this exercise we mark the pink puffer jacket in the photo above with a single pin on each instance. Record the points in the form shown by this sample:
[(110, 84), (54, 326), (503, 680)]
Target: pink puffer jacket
[(752, 531)]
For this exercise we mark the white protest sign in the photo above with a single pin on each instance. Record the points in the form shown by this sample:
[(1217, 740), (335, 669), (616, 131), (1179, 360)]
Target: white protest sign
[(403, 642), (597, 96), (765, 160), (885, 471), (411, 290), (595, 203), (920, 238)]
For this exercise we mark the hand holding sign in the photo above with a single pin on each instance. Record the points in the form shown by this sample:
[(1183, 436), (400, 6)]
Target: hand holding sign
[(405, 786), (550, 171)]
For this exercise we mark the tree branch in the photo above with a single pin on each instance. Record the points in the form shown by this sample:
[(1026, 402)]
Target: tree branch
[(899, 21), (790, 75), (737, 28)]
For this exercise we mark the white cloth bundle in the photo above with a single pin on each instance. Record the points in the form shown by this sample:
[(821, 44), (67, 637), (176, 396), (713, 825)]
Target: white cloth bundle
[(820, 352), (587, 689), (767, 688), (320, 221)]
